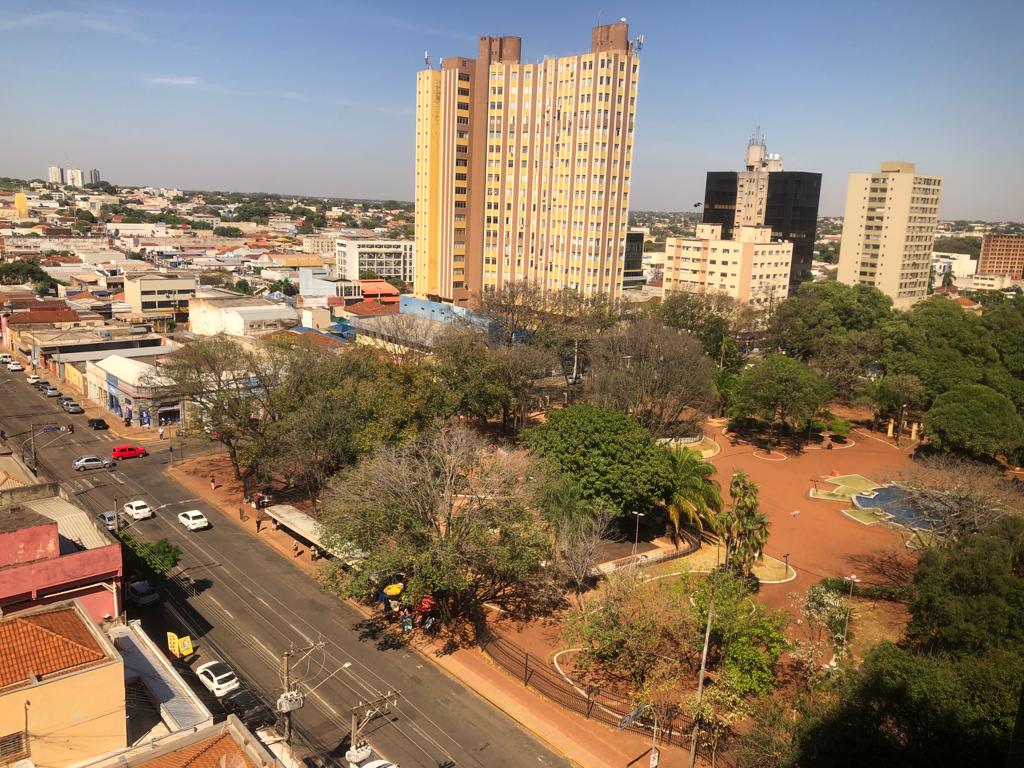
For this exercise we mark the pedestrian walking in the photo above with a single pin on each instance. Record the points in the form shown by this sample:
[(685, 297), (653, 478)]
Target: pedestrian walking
[(161, 433), (314, 553), (259, 522), (213, 483), (295, 549)]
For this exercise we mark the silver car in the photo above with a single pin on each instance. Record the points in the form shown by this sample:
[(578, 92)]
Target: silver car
[(72, 407), (83, 463)]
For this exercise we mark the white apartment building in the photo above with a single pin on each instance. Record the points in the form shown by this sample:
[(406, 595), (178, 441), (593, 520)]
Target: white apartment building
[(888, 231), (55, 174), (73, 177), (751, 268), (159, 293), (385, 258)]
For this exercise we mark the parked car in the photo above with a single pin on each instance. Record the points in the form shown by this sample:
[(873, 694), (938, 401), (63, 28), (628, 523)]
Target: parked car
[(249, 708), (51, 392), (41, 384), (64, 399), (194, 520), (218, 678), (108, 520), (83, 463), (138, 510), (33, 379), (380, 764), (5, 358), (97, 424), (14, 365), (141, 593), (119, 452), (72, 407)]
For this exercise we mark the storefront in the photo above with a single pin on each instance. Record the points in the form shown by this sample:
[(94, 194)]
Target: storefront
[(132, 391)]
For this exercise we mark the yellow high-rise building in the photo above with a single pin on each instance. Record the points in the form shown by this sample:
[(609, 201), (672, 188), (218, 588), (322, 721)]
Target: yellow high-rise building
[(21, 204), (523, 170), (888, 231)]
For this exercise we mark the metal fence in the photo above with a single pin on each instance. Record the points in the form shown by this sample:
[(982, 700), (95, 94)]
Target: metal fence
[(592, 703)]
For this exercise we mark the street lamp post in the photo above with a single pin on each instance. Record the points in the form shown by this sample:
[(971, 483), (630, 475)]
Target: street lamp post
[(852, 578), (636, 537)]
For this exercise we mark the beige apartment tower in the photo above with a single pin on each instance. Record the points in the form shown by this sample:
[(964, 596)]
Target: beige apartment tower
[(523, 170), (888, 230), (750, 268)]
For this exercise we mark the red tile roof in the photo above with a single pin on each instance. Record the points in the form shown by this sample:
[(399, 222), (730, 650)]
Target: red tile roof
[(371, 308), (214, 752), (378, 287), (43, 316), (45, 644)]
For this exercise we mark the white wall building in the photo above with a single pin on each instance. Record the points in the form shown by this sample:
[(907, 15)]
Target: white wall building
[(73, 177), (55, 174), (241, 316), (386, 258)]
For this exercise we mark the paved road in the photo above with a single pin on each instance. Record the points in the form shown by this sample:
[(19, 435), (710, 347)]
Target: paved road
[(251, 606)]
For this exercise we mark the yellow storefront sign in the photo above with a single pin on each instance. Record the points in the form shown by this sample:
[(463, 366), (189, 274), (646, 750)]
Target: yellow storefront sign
[(185, 646), (172, 643)]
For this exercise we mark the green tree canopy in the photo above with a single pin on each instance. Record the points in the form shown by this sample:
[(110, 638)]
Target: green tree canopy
[(607, 453), (779, 389), (974, 419), (821, 315)]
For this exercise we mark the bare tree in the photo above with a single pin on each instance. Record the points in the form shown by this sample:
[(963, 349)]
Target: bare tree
[(659, 374), (578, 544), (404, 336), (956, 496), (457, 519)]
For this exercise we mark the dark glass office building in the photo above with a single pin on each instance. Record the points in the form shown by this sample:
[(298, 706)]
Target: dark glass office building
[(789, 206), (633, 261)]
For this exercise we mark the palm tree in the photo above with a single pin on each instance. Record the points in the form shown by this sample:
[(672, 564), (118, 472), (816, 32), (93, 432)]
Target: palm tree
[(745, 527), (695, 498)]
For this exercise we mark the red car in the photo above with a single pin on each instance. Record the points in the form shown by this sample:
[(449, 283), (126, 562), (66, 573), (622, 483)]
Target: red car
[(119, 452)]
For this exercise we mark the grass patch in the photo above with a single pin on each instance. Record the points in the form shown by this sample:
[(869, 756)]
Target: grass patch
[(855, 483), (771, 569), (868, 516)]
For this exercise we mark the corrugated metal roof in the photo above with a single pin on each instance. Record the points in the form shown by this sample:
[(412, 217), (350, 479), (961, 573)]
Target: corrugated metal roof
[(306, 526), (180, 709), (73, 524), (99, 354)]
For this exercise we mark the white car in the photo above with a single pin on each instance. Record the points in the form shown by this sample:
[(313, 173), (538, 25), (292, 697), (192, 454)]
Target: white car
[(381, 764), (14, 365), (218, 678), (33, 378), (194, 520), (138, 510)]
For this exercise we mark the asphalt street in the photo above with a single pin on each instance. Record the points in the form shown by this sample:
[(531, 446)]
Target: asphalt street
[(248, 606)]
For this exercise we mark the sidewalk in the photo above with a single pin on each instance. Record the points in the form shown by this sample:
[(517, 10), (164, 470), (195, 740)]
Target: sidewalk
[(583, 742)]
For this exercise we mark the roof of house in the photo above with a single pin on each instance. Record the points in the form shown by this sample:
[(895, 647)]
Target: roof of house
[(131, 372), (214, 752), (303, 335), (46, 644), (43, 316), (371, 308), (76, 528), (378, 286)]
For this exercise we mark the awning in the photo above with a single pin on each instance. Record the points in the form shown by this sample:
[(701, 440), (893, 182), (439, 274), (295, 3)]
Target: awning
[(306, 526)]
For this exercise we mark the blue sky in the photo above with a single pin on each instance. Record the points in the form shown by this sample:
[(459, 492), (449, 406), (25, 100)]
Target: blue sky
[(317, 97)]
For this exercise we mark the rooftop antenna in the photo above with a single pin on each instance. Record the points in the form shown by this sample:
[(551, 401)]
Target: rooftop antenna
[(426, 59), (638, 43)]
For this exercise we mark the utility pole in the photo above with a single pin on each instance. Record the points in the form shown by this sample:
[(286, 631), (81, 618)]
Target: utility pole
[(700, 682), (32, 440), (287, 689), (362, 714)]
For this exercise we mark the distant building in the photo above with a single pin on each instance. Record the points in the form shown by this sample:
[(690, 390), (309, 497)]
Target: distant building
[(385, 258), (765, 195), (633, 260), (961, 265), (55, 174), (73, 177), (320, 282), (159, 295), (523, 170), (239, 316), (1002, 255), (131, 390), (888, 231), (320, 244), (750, 268), (94, 176)]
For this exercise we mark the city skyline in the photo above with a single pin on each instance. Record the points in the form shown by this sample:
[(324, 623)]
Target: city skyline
[(272, 102)]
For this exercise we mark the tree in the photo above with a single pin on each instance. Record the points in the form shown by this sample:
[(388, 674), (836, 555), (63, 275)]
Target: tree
[(695, 498), (821, 314), (780, 390), (968, 245), (471, 371), (157, 557), (974, 419), (958, 496), (227, 231), (578, 542), (659, 375), (460, 522), (742, 524), (714, 319), (243, 286), (607, 453), (892, 394)]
